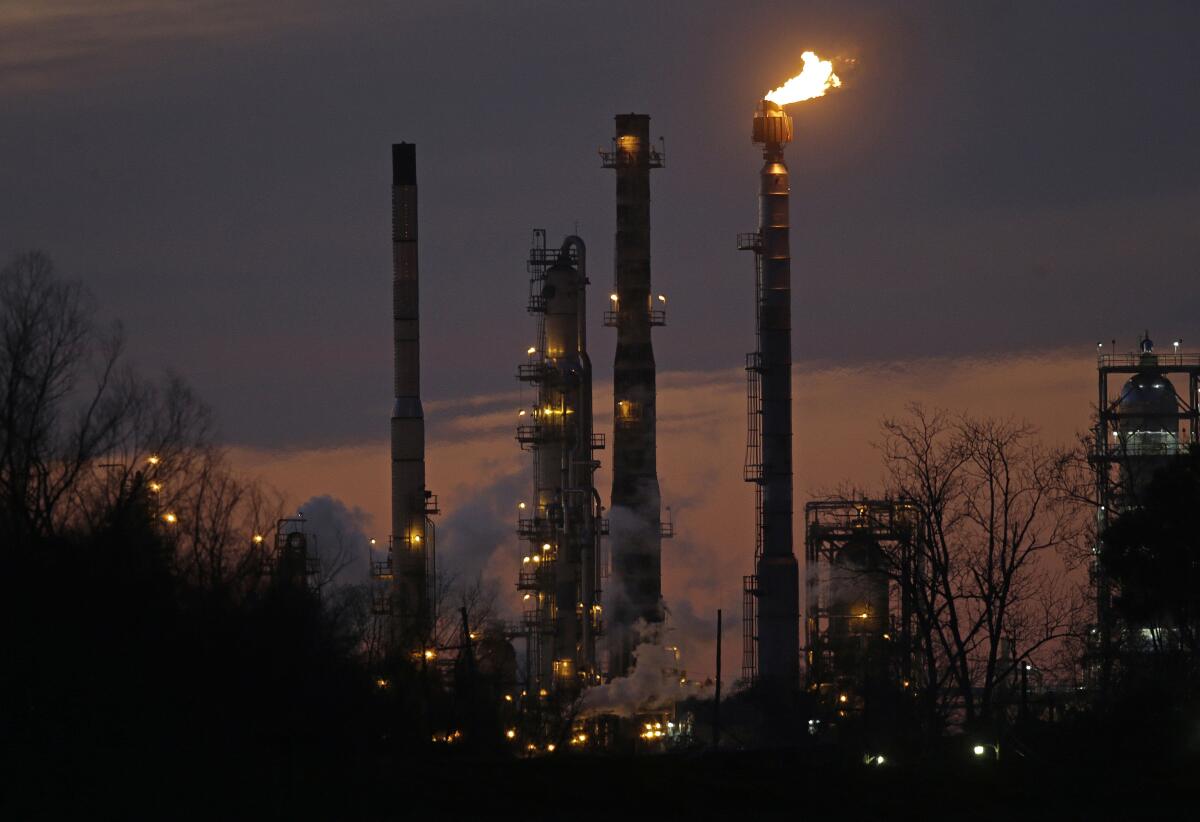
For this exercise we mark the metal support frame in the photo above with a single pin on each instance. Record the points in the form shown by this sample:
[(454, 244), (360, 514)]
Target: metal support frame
[(894, 524)]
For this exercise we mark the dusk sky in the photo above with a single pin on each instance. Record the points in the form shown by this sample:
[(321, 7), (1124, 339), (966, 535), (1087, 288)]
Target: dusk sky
[(995, 187)]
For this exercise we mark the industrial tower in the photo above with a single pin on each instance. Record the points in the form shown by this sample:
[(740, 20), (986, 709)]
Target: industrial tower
[(560, 569), (635, 592), (410, 567), (1143, 426), (771, 604)]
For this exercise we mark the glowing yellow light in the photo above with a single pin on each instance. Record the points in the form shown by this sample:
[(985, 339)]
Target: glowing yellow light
[(258, 538), (537, 558), (508, 697), (521, 413), (661, 298), (525, 560), (545, 546), (526, 597), (170, 518), (613, 297), (430, 653), (531, 350), (153, 459), (816, 78), (155, 487), (543, 692), (842, 697), (381, 683), (510, 733), (416, 538), (550, 747), (372, 540), (521, 505)]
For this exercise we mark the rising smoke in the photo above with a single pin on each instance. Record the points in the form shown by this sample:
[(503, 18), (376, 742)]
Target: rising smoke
[(342, 539), (654, 683)]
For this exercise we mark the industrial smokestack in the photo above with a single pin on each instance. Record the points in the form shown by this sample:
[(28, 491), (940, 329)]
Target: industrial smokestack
[(777, 585), (635, 591), (411, 549)]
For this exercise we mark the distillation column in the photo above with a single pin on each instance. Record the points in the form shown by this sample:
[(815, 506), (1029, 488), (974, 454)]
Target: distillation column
[(560, 569), (777, 571), (411, 549), (635, 589)]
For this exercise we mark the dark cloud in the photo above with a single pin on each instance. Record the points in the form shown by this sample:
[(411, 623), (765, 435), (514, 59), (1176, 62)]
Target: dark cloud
[(992, 177)]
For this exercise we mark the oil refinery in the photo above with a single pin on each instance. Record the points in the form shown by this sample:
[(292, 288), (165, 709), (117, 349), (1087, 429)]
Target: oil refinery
[(833, 638)]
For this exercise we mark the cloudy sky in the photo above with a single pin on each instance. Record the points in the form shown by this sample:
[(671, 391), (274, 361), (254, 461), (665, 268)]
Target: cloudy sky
[(996, 187)]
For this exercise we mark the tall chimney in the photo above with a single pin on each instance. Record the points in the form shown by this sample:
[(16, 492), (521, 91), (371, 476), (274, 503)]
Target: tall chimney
[(635, 590), (411, 545), (778, 587)]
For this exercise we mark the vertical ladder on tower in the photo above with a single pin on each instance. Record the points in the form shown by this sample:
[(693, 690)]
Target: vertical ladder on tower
[(749, 628)]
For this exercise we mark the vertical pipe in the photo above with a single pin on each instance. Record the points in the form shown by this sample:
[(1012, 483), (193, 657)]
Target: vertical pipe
[(410, 585), (717, 695), (778, 573), (636, 585)]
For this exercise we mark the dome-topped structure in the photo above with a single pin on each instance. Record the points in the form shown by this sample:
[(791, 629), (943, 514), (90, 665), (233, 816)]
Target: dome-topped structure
[(1148, 402)]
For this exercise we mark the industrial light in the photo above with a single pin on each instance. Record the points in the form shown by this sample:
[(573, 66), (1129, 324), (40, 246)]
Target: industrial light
[(613, 297), (545, 546), (978, 750)]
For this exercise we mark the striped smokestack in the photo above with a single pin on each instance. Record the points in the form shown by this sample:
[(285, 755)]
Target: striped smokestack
[(411, 545)]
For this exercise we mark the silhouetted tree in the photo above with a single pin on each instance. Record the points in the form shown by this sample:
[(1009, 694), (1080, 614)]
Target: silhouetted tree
[(988, 589)]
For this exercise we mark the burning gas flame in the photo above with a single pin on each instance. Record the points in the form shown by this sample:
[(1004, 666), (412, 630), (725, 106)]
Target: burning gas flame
[(814, 81)]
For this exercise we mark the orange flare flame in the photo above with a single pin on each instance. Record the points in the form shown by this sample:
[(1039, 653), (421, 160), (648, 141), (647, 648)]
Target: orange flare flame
[(814, 81)]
